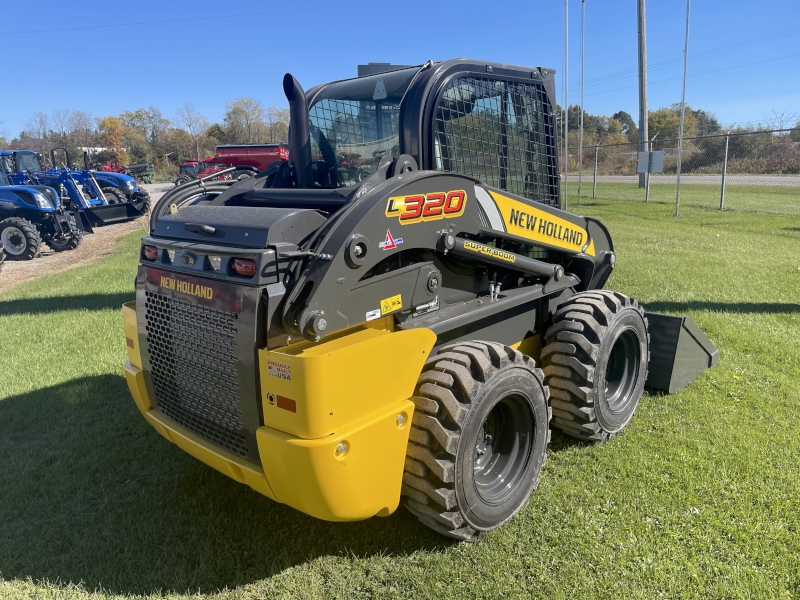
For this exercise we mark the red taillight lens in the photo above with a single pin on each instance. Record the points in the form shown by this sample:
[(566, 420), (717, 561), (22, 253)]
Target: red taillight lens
[(246, 267), (151, 253)]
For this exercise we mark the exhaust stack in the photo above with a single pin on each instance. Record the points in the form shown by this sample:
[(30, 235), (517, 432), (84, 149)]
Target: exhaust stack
[(299, 133)]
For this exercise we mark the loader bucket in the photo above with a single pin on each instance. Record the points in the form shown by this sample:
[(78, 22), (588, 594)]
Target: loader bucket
[(82, 221), (113, 213), (679, 352)]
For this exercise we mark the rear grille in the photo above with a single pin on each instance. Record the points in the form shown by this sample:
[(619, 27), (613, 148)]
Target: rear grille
[(193, 366)]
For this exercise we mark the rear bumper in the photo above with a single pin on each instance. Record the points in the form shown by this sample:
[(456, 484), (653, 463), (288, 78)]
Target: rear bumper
[(309, 474)]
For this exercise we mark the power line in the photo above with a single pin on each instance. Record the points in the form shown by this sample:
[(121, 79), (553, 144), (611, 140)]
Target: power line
[(712, 52), (758, 62), (186, 19)]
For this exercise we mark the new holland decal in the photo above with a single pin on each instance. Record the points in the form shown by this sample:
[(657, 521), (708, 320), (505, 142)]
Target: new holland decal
[(539, 225), (184, 287), (427, 207)]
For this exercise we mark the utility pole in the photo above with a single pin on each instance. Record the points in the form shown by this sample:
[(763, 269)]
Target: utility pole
[(566, 101), (683, 113), (643, 137), (580, 145)]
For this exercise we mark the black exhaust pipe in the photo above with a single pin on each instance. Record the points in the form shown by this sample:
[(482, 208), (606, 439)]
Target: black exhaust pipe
[(299, 133)]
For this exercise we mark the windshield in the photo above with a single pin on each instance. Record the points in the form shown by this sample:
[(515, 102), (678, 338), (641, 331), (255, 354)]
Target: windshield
[(6, 166), (354, 124), (28, 162), (187, 168)]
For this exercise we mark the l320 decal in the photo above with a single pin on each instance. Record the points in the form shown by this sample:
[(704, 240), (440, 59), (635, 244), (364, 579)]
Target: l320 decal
[(427, 207)]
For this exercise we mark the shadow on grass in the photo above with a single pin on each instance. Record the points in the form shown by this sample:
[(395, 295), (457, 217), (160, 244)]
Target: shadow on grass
[(61, 303), (90, 493), (732, 307)]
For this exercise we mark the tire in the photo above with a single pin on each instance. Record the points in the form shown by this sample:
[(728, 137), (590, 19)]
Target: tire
[(114, 196), (458, 480), (2, 257), (147, 205), (20, 239), (595, 360), (71, 241), (183, 179)]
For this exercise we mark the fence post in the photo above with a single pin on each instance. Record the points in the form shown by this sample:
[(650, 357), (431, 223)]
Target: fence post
[(724, 171), (594, 183)]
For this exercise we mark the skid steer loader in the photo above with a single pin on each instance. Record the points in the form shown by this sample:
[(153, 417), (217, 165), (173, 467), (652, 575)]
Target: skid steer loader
[(400, 311)]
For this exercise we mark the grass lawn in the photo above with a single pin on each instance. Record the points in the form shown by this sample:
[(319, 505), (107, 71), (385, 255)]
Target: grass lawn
[(700, 497), (783, 200)]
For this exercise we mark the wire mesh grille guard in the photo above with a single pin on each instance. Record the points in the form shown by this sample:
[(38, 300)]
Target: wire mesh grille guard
[(193, 366), (498, 132)]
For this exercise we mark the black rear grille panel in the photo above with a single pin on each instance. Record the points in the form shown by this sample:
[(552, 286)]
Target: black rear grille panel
[(193, 367)]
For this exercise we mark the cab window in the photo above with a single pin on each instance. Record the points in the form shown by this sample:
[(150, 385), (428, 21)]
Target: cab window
[(500, 132)]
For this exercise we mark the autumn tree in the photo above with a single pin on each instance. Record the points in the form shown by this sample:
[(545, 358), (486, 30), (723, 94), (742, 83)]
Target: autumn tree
[(244, 121), (195, 124), (112, 129), (666, 123)]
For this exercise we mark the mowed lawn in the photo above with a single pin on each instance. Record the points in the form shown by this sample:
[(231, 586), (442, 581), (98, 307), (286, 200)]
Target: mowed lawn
[(783, 200), (699, 497)]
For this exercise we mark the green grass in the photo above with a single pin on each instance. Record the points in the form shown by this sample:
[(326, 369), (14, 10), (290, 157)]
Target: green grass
[(700, 497), (783, 200)]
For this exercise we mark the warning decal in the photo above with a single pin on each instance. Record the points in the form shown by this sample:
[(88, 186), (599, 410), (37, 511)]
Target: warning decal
[(391, 304)]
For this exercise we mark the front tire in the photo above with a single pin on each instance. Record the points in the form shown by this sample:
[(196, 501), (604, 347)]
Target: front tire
[(113, 196), (69, 242), (478, 439), (20, 239), (596, 361)]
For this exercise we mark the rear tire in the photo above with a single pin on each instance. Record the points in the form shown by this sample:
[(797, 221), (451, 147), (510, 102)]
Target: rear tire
[(183, 179), (478, 439), (20, 239), (595, 362)]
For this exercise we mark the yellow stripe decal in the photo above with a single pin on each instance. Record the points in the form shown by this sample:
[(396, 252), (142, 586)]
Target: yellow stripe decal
[(537, 225)]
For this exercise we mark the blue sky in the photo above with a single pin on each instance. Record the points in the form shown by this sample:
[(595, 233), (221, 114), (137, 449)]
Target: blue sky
[(744, 55)]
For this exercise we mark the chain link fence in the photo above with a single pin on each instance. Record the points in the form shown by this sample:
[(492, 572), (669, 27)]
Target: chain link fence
[(755, 171)]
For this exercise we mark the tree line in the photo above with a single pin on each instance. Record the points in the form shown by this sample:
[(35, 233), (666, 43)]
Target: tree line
[(147, 135)]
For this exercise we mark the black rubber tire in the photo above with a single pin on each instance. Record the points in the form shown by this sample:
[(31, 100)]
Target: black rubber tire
[(182, 179), (2, 257), (70, 242), (459, 388), (114, 196), (30, 242), (595, 360)]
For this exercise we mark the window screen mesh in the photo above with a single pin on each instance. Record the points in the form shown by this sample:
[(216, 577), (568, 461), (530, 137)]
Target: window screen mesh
[(349, 138), (498, 132)]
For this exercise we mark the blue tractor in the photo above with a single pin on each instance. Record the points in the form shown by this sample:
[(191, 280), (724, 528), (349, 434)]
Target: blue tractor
[(30, 215), (98, 198)]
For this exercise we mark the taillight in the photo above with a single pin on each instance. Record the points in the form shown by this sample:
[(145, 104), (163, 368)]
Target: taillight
[(151, 253), (246, 267)]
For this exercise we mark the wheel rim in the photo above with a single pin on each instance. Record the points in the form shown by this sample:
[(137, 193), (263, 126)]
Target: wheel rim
[(14, 241), (503, 448), (622, 370)]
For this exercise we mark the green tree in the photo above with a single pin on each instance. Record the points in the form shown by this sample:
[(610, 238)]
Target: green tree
[(666, 123)]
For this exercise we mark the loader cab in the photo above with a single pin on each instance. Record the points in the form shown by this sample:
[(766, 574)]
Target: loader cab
[(28, 161), (490, 121)]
